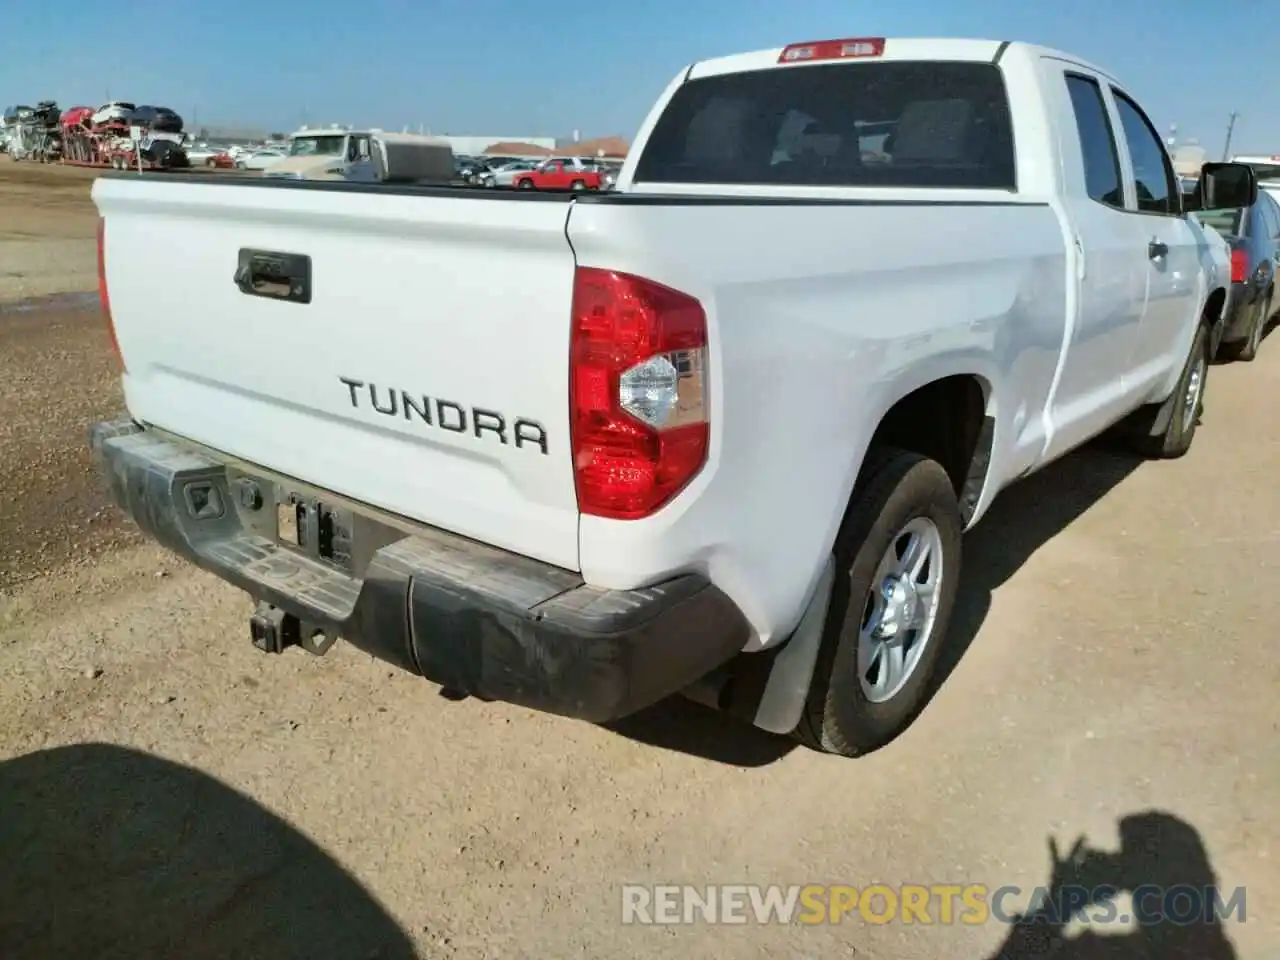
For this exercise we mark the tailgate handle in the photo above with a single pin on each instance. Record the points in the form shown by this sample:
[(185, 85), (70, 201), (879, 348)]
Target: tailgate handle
[(279, 276)]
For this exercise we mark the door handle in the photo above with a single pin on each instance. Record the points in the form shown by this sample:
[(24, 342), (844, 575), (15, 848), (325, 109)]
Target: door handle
[(278, 276), (1156, 249)]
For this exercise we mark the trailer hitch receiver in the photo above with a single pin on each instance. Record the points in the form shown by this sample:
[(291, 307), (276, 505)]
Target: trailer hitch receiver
[(272, 630)]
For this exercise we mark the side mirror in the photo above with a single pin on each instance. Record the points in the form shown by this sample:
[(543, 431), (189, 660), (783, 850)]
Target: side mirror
[(1224, 186)]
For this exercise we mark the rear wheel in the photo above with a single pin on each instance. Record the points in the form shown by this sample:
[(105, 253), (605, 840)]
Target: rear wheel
[(899, 549), (577, 185), (1182, 411), (526, 184)]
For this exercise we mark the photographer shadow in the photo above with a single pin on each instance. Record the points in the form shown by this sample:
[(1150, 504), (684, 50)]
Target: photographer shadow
[(1174, 899), (108, 852)]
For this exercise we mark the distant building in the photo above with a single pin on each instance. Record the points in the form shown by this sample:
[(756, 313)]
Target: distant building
[(516, 148), (1188, 159), (1266, 166), (468, 146), (614, 148), (212, 132)]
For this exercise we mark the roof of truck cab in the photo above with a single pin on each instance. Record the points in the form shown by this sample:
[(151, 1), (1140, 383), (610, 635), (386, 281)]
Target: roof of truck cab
[(1032, 50), (895, 48)]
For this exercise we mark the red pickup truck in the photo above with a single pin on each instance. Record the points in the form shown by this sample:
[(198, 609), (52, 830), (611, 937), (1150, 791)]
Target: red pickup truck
[(560, 175)]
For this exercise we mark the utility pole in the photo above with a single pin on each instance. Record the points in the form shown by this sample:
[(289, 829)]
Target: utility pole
[(1231, 125)]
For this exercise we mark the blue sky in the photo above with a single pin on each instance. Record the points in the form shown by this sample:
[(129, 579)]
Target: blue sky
[(519, 67)]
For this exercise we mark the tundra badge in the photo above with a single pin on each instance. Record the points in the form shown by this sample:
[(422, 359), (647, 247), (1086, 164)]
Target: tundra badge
[(446, 415)]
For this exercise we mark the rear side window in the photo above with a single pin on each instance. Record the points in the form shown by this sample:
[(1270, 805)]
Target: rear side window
[(1097, 141), (908, 124)]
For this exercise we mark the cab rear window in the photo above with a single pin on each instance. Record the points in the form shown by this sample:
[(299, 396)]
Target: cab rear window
[(885, 124)]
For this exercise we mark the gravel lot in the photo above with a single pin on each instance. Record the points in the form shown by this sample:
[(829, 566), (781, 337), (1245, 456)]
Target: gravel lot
[(166, 791)]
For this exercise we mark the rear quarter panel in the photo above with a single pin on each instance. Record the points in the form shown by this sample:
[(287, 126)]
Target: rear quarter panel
[(821, 316)]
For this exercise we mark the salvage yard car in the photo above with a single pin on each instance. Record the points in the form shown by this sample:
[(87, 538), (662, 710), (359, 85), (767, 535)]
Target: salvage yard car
[(1253, 234), (718, 431), (503, 175), (560, 173)]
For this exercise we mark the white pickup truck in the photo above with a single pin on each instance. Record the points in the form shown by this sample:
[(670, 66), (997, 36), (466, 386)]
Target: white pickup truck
[(721, 428)]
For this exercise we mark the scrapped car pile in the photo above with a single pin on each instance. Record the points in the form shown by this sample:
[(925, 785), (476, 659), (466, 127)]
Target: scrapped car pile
[(102, 136), (32, 132)]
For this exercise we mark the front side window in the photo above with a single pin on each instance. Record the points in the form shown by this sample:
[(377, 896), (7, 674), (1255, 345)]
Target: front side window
[(331, 146), (1152, 173)]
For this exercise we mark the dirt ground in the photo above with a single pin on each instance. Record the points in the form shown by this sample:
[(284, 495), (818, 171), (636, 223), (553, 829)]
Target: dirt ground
[(167, 791), (47, 239)]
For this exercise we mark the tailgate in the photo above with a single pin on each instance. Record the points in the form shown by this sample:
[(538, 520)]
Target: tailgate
[(427, 375)]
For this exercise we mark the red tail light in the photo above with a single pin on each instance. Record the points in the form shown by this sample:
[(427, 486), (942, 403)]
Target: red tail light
[(103, 296), (637, 393), (849, 48), (1239, 266)]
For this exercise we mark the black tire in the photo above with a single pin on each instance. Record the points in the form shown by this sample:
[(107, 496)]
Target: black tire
[(526, 184), (1180, 423), (577, 185), (894, 488), (1247, 349)]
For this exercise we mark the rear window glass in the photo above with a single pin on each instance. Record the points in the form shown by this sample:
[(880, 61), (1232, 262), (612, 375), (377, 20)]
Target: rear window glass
[(908, 124)]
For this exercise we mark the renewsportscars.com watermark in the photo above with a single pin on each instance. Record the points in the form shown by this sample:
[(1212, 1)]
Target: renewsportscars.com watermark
[(943, 904)]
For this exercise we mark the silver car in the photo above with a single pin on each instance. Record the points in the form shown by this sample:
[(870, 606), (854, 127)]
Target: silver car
[(504, 176)]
